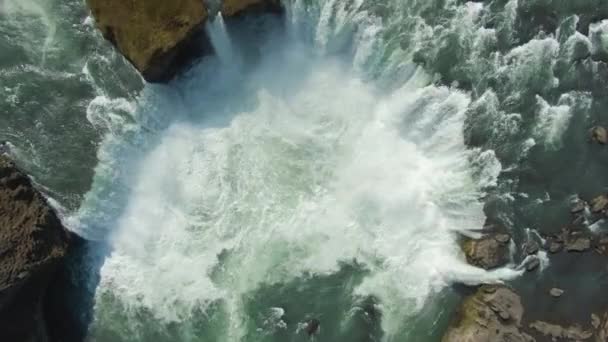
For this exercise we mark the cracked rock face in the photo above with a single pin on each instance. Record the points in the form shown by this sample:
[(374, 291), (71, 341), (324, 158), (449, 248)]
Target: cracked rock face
[(33, 243)]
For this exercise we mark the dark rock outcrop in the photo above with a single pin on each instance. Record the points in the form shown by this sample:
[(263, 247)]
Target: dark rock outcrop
[(491, 251), (236, 7), (158, 37), (33, 244)]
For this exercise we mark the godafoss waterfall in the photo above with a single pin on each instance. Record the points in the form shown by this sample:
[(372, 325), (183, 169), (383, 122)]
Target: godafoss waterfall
[(325, 170)]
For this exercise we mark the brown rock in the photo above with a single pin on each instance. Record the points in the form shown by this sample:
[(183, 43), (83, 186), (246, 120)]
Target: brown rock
[(599, 135), (487, 252), (157, 36), (236, 7), (32, 245), (489, 316), (599, 203), (571, 333), (578, 244)]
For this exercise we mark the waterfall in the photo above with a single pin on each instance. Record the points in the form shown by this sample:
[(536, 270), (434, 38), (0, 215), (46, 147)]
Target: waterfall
[(220, 39)]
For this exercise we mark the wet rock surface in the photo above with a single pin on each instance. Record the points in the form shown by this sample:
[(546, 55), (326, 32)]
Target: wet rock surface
[(33, 244), (158, 37), (237, 7), (490, 251)]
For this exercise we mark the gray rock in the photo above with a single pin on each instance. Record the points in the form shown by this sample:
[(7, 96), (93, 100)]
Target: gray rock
[(555, 292), (555, 247), (531, 247), (578, 207), (532, 264)]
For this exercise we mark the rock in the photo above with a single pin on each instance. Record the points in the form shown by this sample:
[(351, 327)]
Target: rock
[(502, 238), (531, 247), (555, 246), (578, 244), (488, 252), (555, 292), (488, 316), (573, 333), (313, 326), (602, 329), (4, 147), (235, 7), (599, 204), (595, 321), (599, 135), (532, 264), (33, 243), (578, 206), (158, 37)]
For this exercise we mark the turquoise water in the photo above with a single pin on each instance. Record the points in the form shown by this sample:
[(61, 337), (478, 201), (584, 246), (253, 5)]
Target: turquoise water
[(321, 165)]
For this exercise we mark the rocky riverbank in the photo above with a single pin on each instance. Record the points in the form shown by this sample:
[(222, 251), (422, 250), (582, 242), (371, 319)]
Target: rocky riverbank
[(33, 247)]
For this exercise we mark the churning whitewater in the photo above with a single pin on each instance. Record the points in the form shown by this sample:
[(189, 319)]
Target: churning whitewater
[(219, 193)]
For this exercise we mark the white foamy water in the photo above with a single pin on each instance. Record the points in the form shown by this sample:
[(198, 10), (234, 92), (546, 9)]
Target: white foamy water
[(284, 174)]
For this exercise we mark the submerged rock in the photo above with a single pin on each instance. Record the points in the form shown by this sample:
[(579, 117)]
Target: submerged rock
[(489, 252), (158, 37), (489, 316), (33, 243)]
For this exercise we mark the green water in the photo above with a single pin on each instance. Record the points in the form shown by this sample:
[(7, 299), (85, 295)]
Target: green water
[(318, 167)]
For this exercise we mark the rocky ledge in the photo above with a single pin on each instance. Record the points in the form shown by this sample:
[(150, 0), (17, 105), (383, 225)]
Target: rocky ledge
[(162, 37), (33, 244), (495, 313)]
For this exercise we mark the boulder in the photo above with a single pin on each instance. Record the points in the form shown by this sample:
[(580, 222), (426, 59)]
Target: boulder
[(489, 252), (236, 7), (599, 135), (492, 314), (33, 244), (158, 37), (599, 204), (578, 244)]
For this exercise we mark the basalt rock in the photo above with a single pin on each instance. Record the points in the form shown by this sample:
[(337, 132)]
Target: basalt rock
[(33, 244), (492, 314), (491, 251), (158, 37)]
